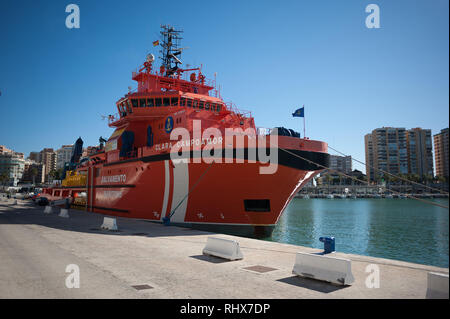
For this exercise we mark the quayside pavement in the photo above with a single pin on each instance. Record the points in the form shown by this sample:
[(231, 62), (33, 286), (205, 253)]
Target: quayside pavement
[(149, 260)]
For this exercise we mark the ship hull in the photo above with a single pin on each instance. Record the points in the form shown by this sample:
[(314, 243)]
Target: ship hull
[(224, 197)]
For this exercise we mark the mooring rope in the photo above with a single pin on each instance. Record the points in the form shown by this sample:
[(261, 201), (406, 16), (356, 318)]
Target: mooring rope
[(353, 178)]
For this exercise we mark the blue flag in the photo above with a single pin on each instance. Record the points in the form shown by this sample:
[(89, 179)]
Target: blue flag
[(299, 113)]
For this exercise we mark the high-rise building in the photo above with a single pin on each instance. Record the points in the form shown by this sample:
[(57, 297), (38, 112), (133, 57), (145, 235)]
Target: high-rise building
[(420, 152), (386, 151), (12, 165), (34, 156), (441, 153), (3, 149), (341, 163), (33, 172), (63, 155), (48, 157), (369, 156)]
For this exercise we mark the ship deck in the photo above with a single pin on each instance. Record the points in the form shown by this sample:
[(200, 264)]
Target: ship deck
[(149, 260)]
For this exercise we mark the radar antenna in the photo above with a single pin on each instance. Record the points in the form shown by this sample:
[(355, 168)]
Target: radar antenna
[(170, 53)]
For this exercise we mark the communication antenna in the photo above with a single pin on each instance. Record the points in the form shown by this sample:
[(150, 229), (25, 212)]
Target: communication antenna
[(170, 52)]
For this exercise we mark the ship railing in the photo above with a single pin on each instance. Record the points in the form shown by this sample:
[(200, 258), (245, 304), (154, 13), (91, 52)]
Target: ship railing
[(232, 107), (113, 117), (132, 154)]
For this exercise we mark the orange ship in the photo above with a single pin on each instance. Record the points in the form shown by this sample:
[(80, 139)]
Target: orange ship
[(181, 155)]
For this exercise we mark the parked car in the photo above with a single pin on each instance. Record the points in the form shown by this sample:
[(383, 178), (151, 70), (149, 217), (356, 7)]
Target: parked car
[(42, 201)]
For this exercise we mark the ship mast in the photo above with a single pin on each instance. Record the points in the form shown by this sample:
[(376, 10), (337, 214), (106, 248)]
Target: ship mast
[(170, 40)]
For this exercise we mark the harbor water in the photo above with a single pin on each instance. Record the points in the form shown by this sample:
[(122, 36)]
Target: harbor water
[(402, 229)]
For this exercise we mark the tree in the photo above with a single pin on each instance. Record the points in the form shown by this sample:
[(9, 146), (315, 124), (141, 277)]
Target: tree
[(4, 178)]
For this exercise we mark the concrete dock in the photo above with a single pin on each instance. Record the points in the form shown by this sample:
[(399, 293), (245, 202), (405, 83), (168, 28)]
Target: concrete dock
[(149, 260)]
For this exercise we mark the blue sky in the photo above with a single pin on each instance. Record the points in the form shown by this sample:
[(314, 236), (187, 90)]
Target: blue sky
[(271, 57)]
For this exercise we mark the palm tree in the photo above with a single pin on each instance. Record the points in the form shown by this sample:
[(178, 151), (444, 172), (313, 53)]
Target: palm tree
[(34, 173)]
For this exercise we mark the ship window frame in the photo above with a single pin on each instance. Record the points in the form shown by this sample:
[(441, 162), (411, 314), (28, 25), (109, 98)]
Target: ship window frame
[(166, 101), (194, 104), (158, 102), (150, 102), (142, 102), (219, 107), (201, 105), (207, 104), (135, 102), (213, 107), (182, 101), (174, 101), (189, 102)]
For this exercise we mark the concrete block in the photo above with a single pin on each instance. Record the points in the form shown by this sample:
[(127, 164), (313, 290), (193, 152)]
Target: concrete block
[(58, 202), (109, 223), (223, 248), (48, 209), (64, 213), (437, 287), (325, 268)]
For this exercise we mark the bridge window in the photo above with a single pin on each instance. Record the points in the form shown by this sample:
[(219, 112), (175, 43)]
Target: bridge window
[(150, 102), (189, 102), (174, 101), (195, 104), (213, 107), (182, 101), (158, 102), (201, 105), (166, 101), (219, 107), (134, 102), (142, 103), (206, 106)]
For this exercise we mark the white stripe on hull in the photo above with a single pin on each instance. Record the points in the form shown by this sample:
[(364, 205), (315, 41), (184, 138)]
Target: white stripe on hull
[(166, 189), (180, 190)]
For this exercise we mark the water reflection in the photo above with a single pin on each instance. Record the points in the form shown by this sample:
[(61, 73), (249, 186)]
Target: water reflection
[(390, 228)]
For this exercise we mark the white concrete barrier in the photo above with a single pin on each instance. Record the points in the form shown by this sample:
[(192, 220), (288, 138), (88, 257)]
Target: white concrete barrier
[(48, 209), (325, 268), (64, 213), (437, 286), (224, 248), (109, 223), (58, 202)]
